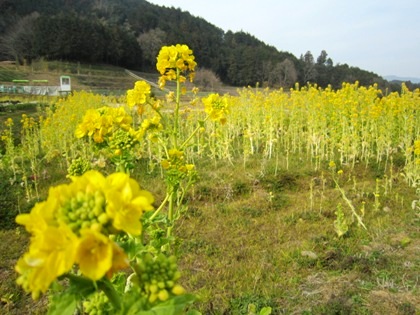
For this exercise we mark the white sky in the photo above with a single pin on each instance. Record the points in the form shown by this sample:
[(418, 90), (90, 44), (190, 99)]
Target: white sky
[(382, 36)]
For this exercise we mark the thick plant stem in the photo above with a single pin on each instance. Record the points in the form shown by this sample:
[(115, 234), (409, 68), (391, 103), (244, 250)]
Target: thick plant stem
[(106, 286)]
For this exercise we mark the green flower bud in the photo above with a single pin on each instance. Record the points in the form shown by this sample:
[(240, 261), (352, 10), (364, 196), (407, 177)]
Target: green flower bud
[(97, 210), (153, 297), (153, 288), (103, 218), (176, 276), (85, 225), (80, 197)]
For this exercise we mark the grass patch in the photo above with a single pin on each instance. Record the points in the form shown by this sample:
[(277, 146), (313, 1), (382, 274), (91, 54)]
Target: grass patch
[(245, 246), (240, 246)]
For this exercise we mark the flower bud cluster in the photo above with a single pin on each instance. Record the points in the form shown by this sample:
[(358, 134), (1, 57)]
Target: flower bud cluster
[(97, 304), (121, 140), (27, 122), (85, 210), (157, 277), (78, 167)]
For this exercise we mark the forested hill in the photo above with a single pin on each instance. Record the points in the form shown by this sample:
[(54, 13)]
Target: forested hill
[(129, 33)]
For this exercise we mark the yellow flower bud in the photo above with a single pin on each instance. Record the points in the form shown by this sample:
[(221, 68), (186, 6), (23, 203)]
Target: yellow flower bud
[(163, 295), (178, 290)]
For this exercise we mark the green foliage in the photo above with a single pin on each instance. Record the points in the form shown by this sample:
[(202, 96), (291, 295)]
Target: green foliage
[(98, 43), (8, 209), (250, 304), (340, 224)]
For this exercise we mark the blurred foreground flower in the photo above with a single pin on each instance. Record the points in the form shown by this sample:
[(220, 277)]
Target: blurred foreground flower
[(73, 227)]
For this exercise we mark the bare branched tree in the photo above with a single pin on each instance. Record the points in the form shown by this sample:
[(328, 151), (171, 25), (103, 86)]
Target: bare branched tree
[(207, 79), (18, 41), (150, 43), (283, 74)]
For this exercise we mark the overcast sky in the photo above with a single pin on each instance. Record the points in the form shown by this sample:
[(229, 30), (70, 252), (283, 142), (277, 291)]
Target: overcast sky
[(382, 36)]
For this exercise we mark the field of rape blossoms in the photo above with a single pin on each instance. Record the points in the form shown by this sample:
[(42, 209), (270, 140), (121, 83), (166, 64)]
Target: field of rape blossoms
[(300, 201)]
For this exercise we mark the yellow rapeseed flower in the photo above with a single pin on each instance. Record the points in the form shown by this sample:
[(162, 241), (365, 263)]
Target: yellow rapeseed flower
[(9, 122), (51, 254), (41, 216), (126, 202), (99, 123), (417, 147), (175, 59), (89, 124), (73, 226), (216, 106), (94, 254), (139, 95)]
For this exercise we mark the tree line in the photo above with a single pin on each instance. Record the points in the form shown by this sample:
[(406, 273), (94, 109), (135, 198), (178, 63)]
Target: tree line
[(129, 33)]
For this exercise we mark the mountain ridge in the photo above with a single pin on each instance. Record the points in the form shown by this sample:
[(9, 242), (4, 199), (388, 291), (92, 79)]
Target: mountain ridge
[(393, 77), (129, 33)]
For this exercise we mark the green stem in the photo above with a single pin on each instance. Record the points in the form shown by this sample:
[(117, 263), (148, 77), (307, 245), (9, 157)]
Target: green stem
[(359, 219), (161, 206), (89, 286), (176, 111), (192, 135), (106, 286), (171, 213)]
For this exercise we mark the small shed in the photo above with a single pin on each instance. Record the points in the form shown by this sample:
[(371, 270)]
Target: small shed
[(65, 83)]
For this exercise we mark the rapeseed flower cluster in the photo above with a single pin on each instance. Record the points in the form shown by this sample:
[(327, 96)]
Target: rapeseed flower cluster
[(416, 150), (174, 60), (217, 107), (151, 126), (7, 133), (27, 122), (73, 228), (64, 116), (175, 166), (101, 123), (139, 96)]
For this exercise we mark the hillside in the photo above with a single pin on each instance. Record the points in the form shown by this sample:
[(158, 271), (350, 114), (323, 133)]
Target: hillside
[(129, 34)]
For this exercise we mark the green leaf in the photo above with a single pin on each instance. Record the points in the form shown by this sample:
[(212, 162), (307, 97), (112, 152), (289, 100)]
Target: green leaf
[(63, 304), (80, 286), (174, 306), (265, 311)]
